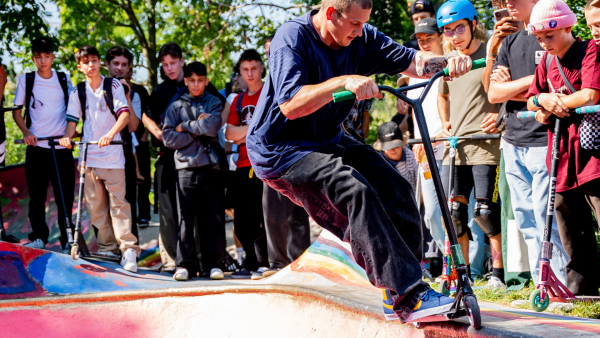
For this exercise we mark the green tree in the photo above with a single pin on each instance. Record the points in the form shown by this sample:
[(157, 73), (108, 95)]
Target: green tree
[(21, 20)]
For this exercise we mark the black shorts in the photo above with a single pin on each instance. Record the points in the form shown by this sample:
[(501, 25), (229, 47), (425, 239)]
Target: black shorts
[(484, 178)]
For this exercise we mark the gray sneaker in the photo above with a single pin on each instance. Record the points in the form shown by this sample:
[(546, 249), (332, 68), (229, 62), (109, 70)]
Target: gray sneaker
[(37, 244), (258, 274)]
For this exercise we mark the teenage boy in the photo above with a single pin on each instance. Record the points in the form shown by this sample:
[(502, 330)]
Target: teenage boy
[(119, 61), (419, 10), (45, 115), (553, 94), (105, 168), (397, 154), (194, 116), (524, 144), (247, 190), (296, 146), (468, 113)]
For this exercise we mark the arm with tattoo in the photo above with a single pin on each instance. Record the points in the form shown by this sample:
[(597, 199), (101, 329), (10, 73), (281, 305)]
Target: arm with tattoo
[(428, 63)]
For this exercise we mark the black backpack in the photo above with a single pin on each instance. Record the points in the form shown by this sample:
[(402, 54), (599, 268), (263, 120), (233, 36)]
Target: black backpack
[(238, 106), (108, 97), (29, 81)]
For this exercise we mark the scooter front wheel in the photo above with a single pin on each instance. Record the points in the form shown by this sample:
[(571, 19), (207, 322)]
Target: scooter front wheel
[(535, 301), (75, 252), (472, 308)]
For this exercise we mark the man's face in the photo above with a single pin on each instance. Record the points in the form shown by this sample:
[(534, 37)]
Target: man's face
[(520, 9), (89, 65), (592, 17), (347, 26), (172, 67), (118, 66), (394, 154), (251, 72), (267, 45), (429, 42), (196, 84), (43, 61), (459, 40), (420, 16), (554, 41)]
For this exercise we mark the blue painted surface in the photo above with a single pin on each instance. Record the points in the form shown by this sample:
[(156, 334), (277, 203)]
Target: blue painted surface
[(13, 277)]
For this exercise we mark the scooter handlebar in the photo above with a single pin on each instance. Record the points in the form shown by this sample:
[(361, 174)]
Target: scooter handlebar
[(477, 137), (48, 138), (580, 110), (54, 143), (348, 95)]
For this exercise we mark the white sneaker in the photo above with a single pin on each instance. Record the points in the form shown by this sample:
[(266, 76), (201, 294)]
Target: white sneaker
[(216, 274), (128, 262), (181, 274), (37, 244), (494, 283)]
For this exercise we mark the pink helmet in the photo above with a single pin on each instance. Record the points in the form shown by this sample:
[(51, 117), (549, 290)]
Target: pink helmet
[(551, 14)]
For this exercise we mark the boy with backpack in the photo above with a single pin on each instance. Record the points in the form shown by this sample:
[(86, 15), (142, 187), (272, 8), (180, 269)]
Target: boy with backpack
[(191, 122), (44, 95), (567, 78), (101, 103)]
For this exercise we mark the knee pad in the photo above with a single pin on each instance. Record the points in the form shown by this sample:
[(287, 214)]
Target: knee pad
[(460, 218), (487, 216)]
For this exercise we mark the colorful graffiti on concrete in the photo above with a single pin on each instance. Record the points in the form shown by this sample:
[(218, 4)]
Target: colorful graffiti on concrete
[(14, 198)]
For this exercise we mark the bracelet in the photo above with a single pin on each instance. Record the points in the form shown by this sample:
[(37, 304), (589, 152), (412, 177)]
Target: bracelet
[(492, 54), (535, 101)]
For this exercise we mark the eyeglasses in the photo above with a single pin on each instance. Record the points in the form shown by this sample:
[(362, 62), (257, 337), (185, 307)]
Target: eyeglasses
[(458, 30)]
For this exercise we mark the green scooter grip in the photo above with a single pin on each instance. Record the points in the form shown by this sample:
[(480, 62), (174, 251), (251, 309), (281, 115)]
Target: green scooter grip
[(343, 96), (480, 63)]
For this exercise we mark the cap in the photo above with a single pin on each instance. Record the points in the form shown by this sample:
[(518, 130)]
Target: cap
[(422, 6), (389, 136), (427, 26), (549, 15)]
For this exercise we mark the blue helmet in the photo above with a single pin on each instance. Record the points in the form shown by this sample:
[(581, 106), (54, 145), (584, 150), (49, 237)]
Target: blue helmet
[(455, 10)]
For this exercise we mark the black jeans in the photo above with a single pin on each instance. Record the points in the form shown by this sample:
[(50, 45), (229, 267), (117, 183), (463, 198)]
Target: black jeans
[(143, 191), (578, 236), (352, 191), (200, 197), (248, 221), (287, 227), (39, 170), (131, 192)]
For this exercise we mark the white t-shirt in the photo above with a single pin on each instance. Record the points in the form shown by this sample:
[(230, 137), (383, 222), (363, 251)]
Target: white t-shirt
[(98, 121), (47, 107), (432, 117)]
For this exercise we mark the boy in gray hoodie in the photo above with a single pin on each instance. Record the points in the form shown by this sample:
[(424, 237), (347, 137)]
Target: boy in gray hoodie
[(190, 122)]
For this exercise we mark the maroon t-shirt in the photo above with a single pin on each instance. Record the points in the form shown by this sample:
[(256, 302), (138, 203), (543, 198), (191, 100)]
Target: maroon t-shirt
[(576, 165)]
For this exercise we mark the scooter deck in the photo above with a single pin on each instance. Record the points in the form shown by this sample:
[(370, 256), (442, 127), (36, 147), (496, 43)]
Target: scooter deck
[(442, 317)]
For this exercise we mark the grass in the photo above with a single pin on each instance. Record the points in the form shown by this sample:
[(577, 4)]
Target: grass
[(500, 296)]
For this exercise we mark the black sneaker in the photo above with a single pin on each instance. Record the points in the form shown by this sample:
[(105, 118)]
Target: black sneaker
[(143, 223), (241, 274)]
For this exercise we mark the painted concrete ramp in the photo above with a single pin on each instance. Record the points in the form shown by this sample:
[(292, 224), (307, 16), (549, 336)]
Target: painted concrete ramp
[(322, 294)]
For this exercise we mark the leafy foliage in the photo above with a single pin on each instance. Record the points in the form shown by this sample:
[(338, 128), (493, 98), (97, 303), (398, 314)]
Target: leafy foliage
[(21, 19)]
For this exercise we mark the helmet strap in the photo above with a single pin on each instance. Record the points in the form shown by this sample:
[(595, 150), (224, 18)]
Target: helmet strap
[(472, 34)]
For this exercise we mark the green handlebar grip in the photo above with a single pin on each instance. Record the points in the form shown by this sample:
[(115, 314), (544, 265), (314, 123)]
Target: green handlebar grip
[(480, 63), (343, 96)]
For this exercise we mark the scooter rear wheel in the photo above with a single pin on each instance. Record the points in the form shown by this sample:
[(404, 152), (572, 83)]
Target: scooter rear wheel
[(472, 308), (535, 301), (75, 252)]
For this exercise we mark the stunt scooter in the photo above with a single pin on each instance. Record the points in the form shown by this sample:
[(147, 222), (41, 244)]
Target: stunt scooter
[(4, 237), (549, 288), (464, 291), (78, 246), (448, 284)]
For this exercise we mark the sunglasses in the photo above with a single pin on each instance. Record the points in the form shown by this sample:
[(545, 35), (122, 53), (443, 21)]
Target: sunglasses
[(460, 29)]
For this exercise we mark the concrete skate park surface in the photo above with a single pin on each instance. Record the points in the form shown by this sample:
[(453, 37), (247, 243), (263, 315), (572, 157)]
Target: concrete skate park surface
[(322, 294)]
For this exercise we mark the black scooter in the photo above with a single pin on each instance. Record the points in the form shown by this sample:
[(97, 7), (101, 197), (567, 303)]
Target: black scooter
[(464, 291)]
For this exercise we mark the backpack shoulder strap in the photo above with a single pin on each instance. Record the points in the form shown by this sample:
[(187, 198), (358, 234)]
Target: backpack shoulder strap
[(238, 106), (29, 81), (62, 79), (188, 110), (108, 95), (548, 61), (82, 98), (564, 77)]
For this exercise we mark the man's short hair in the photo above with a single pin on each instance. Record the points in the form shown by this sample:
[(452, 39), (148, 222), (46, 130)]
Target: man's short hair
[(172, 49), (250, 55), (592, 4), (119, 51), (269, 38), (42, 44), (85, 52), (195, 67), (342, 6)]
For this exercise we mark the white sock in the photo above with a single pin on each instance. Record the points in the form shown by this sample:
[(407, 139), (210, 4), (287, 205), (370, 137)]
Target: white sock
[(240, 255)]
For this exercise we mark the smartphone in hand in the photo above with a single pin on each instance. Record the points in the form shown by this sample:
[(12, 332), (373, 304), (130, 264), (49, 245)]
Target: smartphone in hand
[(500, 14)]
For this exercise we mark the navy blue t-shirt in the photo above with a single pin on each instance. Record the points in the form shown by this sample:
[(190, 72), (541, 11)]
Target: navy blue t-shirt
[(298, 57)]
